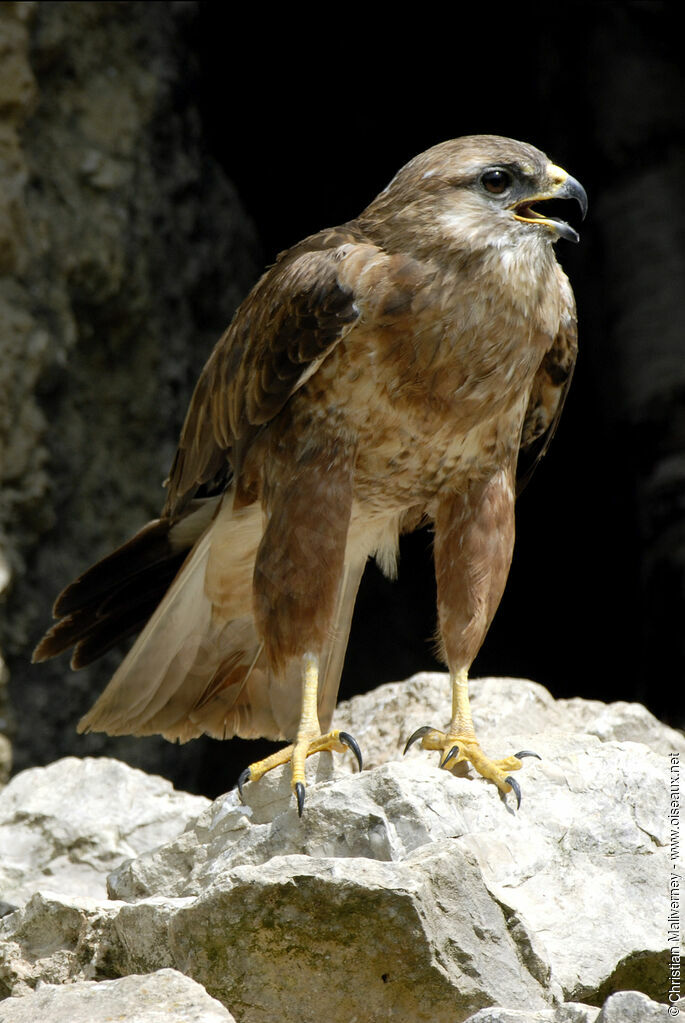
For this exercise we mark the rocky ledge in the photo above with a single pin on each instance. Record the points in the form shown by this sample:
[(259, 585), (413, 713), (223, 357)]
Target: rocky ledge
[(403, 893)]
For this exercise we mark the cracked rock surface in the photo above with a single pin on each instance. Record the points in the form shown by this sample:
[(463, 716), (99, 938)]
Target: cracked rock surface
[(67, 825), (163, 997), (404, 892)]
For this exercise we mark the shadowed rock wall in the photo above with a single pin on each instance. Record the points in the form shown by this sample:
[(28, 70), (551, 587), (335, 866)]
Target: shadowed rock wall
[(123, 252)]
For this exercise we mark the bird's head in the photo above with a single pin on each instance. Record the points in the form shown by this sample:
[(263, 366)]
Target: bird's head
[(480, 191)]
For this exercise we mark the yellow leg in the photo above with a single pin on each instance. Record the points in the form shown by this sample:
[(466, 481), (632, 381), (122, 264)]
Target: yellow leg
[(309, 728), (308, 740), (459, 743)]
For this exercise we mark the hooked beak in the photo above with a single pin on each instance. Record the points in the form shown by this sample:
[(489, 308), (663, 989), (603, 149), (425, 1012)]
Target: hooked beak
[(563, 186)]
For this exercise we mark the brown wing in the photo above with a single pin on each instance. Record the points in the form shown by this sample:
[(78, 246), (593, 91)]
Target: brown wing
[(198, 664), (547, 398), (292, 319)]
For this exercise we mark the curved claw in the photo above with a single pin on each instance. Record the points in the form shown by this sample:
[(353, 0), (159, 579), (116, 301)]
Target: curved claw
[(299, 794), (351, 743), (527, 753), (244, 776), (517, 790), (418, 734), (448, 756)]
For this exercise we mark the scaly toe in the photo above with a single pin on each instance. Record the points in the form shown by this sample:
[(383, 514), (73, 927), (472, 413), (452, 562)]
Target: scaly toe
[(296, 754), (464, 749)]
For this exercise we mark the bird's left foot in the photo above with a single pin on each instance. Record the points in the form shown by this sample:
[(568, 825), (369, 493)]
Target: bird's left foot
[(296, 754), (456, 749)]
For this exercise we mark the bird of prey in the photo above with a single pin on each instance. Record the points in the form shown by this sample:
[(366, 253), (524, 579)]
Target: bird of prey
[(405, 367)]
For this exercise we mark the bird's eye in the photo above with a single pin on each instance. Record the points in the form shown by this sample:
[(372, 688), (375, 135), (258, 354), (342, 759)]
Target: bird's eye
[(496, 180)]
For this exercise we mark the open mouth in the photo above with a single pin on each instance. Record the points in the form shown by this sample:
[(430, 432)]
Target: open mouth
[(524, 211), (527, 214)]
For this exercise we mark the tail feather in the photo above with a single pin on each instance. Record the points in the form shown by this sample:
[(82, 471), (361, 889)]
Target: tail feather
[(148, 547), (65, 634), (143, 682), (91, 635), (198, 665), (195, 658), (98, 624), (118, 627), (114, 598)]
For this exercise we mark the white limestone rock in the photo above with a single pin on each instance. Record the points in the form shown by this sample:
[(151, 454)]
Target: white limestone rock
[(569, 1012), (66, 826), (53, 939), (383, 719), (567, 877), (622, 1007), (163, 997), (403, 892), (634, 1007)]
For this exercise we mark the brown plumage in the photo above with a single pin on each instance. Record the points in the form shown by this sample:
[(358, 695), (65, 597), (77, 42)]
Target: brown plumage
[(392, 370)]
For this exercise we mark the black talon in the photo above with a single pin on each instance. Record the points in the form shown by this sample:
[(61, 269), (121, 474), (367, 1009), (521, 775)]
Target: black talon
[(418, 734), (351, 743), (299, 793), (527, 753), (244, 776), (517, 790), (452, 753)]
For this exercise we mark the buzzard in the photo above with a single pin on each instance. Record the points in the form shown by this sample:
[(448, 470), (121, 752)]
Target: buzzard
[(407, 366)]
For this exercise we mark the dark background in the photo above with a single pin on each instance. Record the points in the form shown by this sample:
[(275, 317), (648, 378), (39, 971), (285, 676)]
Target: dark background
[(310, 117)]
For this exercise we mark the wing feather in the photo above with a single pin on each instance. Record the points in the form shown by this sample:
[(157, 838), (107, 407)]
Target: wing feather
[(548, 394), (300, 309), (196, 640)]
